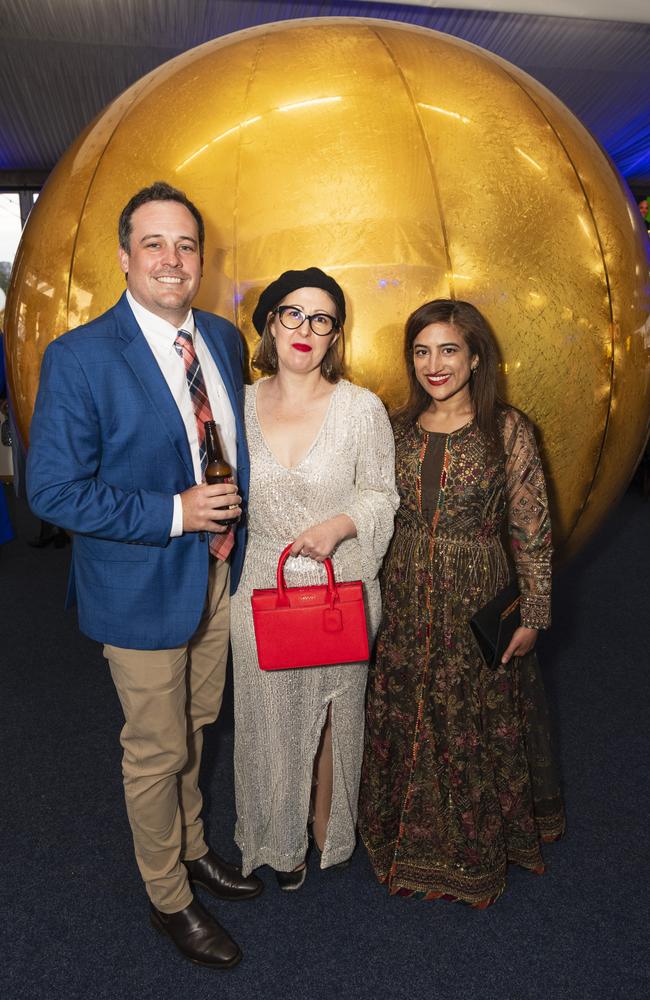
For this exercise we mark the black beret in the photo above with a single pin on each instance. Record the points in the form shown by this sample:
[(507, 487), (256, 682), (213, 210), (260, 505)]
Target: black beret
[(311, 277)]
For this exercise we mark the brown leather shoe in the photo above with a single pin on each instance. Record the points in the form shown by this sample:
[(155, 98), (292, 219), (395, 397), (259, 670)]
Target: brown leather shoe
[(221, 879), (198, 936)]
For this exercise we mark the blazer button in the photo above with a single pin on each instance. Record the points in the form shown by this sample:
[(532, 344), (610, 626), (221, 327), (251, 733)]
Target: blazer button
[(202, 536)]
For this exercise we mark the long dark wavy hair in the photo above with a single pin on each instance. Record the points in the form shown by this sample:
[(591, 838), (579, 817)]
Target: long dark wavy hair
[(478, 336)]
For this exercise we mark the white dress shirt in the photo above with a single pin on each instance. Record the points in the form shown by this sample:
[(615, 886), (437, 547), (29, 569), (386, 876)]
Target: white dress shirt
[(160, 336)]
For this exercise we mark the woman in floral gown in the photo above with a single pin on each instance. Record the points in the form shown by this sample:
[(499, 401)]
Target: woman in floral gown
[(458, 778)]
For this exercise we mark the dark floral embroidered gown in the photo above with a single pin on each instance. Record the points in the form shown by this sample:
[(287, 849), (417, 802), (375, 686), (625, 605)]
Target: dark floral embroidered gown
[(458, 778)]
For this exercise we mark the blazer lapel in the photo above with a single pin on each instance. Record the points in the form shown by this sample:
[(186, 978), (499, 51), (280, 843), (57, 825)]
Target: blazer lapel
[(138, 356)]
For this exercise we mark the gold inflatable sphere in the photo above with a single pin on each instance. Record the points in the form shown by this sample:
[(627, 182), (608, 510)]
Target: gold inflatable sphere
[(410, 165)]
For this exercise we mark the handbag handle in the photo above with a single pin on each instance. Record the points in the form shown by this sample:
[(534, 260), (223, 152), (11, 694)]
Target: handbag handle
[(332, 592)]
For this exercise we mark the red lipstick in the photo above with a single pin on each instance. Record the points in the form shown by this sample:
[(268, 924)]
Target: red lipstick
[(299, 346)]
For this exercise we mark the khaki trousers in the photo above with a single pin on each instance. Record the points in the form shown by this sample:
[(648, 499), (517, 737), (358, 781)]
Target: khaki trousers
[(168, 696)]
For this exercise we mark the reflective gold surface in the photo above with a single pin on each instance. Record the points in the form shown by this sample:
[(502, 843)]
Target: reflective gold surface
[(408, 164)]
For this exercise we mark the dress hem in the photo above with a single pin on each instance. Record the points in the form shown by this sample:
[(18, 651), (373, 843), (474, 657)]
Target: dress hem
[(431, 882)]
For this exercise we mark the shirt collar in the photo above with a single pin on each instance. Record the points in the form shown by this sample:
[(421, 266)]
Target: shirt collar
[(156, 326)]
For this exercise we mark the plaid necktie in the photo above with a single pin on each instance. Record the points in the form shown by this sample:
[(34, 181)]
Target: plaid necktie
[(220, 544)]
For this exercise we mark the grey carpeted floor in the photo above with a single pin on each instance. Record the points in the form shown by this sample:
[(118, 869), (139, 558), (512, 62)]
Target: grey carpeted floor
[(74, 914)]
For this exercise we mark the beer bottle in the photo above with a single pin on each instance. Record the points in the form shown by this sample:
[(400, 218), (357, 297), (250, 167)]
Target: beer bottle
[(218, 470)]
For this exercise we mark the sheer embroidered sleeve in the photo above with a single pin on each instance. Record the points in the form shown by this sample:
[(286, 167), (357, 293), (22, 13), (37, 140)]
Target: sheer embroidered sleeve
[(529, 523)]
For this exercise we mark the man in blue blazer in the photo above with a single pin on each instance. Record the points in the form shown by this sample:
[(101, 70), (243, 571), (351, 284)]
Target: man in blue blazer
[(116, 457)]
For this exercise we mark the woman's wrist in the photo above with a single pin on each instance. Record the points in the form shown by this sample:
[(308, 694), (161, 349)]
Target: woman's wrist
[(344, 527)]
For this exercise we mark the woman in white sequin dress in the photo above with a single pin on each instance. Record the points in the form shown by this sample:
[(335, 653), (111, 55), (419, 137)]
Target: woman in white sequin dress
[(322, 478)]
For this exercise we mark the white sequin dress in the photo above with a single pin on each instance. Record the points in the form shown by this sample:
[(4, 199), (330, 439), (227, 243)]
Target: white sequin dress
[(279, 716)]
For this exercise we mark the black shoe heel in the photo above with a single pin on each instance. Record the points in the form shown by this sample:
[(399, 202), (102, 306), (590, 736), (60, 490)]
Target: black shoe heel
[(340, 866), (291, 881)]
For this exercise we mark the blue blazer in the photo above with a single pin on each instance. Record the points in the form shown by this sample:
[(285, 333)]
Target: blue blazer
[(108, 451)]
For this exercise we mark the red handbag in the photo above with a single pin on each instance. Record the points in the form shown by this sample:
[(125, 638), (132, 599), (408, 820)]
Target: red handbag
[(309, 626)]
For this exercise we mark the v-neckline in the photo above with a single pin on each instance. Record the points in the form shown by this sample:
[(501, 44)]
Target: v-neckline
[(319, 432)]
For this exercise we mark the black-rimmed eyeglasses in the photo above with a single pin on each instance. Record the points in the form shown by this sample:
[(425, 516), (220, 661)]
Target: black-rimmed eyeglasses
[(320, 323)]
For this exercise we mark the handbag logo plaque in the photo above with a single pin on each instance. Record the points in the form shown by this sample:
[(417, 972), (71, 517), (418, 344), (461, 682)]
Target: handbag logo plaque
[(309, 626)]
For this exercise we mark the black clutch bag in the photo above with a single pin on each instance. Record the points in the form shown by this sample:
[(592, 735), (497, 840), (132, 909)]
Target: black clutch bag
[(494, 625)]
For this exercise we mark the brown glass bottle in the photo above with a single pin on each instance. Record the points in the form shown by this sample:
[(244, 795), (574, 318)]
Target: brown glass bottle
[(218, 470)]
